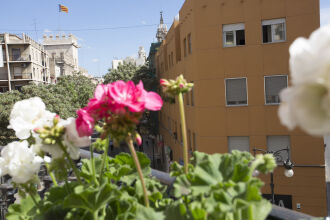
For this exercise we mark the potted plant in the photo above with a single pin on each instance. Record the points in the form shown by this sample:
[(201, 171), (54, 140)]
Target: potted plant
[(218, 186)]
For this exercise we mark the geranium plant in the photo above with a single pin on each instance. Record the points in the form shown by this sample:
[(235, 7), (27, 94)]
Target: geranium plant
[(209, 187)]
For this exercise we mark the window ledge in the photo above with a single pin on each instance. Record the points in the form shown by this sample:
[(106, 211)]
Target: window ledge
[(238, 105), (270, 104), (276, 42), (233, 46)]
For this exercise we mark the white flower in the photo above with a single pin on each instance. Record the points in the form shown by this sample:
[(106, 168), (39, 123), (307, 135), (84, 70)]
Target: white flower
[(307, 102), (71, 138), (54, 150), (27, 115), (19, 161), (310, 58)]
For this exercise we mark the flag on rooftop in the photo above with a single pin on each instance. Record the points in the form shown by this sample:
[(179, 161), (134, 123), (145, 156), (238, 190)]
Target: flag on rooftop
[(63, 8)]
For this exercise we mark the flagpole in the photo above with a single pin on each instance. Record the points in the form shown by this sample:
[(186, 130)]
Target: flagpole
[(59, 19)]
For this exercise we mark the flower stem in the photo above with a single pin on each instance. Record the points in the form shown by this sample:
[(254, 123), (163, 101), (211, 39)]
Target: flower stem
[(51, 174), (105, 156), (32, 196), (93, 165), (184, 133), (95, 215), (74, 168), (138, 168)]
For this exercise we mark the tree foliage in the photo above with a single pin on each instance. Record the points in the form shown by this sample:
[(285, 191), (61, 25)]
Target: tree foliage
[(63, 98), (124, 72)]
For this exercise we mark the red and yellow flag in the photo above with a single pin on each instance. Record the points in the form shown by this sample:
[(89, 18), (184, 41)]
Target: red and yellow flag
[(63, 8)]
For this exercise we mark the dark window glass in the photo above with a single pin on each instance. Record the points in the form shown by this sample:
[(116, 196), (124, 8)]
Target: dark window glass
[(267, 33), (240, 37)]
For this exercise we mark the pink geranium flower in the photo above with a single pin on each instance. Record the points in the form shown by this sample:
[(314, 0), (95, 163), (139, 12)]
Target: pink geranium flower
[(98, 107), (116, 99), (84, 123), (135, 98), (152, 101)]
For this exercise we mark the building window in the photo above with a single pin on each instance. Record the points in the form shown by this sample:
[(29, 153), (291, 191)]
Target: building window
[(273, 30), (172, 59), (18, 87), (189, 44), (236, 91), (187, 98), (176, 131), (185, 47), (181, 137), (233, 35), (192, 96), (273, 86), (275, 143), (241, 143), (194, 142), (189, 141), (3, 89)]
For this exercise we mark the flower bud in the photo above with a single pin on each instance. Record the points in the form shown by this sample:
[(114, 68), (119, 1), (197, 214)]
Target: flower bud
[(138, 139), (56, 119), (48, 141), (164, 82), (37, 130)]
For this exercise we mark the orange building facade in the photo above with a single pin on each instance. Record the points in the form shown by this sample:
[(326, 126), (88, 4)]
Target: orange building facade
[(236, 54)]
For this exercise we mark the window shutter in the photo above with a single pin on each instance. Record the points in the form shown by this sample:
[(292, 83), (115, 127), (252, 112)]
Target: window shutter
[(239, 143), (273, 21), (233, 27), (236, 91), (273, 86), (275, 143)]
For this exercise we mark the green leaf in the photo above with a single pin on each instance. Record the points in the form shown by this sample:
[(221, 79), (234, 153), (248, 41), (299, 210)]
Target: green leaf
[(90, 199), (25, 210), (144, 213)]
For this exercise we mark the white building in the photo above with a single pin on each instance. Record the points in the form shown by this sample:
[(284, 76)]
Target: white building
[(63, 51), (116, 63), (140, 60), (23, 60), (142, 57)]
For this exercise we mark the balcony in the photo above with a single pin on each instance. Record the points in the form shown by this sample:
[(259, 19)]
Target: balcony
[(17, 58), (23, 76), (59, 60)]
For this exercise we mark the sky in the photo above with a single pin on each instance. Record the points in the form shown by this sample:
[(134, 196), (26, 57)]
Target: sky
[(122, 26)]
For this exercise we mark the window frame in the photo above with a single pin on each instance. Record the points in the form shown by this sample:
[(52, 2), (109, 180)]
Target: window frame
[(282, 147), (2, 89), (185, 47), (194, 140), (189, 43), (192, 101), (287, 84), (273, 22), (228, 142), (247, 92), (232, 27)]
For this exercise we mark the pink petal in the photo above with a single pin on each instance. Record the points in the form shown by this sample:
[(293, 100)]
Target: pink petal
[(153, 101)]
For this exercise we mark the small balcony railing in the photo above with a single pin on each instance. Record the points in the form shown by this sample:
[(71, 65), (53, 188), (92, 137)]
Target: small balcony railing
[(18, 58), (22, 76)]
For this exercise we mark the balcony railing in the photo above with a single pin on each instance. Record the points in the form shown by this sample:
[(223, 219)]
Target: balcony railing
[(22, 76), (17, 58)]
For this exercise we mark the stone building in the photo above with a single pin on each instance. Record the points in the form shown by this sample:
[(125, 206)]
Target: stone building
[(63, 51), (236, 52), (23, 60), (140, 60)]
